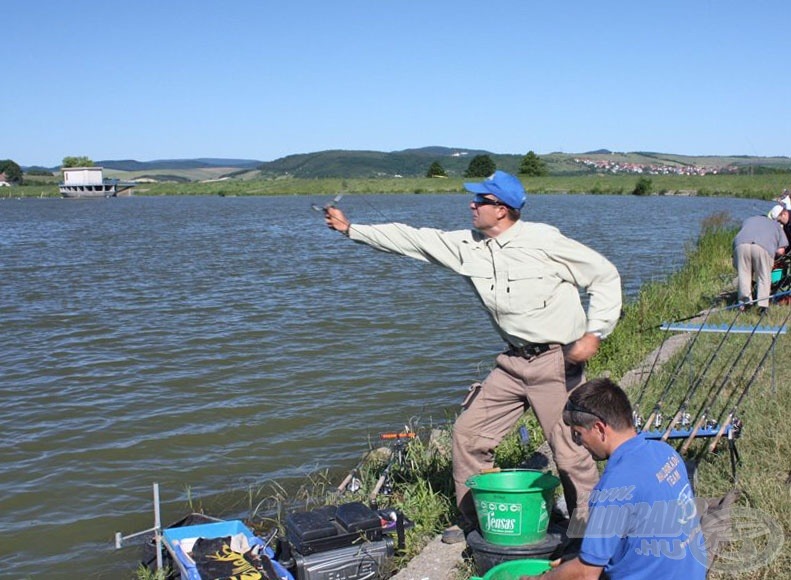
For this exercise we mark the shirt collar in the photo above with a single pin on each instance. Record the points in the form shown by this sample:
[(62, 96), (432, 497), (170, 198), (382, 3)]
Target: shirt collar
[(510, 234)]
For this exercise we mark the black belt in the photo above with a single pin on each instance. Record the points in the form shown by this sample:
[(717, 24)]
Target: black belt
[(529, 350)]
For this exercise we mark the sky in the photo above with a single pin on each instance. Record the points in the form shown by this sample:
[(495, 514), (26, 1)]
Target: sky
[(259, 79)]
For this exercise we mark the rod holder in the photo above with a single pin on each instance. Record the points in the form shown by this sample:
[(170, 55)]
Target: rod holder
[(157, 530)]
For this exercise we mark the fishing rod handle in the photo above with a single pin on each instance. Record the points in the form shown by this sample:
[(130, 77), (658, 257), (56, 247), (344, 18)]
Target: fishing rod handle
[(688, 441), (346, 481), (721, 432), (379, 483), (673, 423), (649, 421)]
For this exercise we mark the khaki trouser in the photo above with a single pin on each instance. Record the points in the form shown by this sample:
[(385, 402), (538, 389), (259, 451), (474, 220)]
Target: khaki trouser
[(491, 410), (751, 260)]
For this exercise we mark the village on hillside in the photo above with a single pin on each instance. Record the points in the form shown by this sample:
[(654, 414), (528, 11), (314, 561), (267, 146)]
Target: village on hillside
[(614, 166)]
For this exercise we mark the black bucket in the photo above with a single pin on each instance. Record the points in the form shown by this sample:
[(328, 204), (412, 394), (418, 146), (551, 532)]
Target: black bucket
[(487, 555)]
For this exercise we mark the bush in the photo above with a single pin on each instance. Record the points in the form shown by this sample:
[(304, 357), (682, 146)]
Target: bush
[(643, 187)]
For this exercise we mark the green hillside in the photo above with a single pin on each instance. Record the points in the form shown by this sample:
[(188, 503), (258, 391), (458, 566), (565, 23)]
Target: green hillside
[(414, 163)]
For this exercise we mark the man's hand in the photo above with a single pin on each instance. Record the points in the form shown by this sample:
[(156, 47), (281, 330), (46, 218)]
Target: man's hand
[(336, 220), (584, 348), (574, 568)]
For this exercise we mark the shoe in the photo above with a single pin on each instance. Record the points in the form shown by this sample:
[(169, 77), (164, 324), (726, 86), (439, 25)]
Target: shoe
[(763, 310), (453, 535)]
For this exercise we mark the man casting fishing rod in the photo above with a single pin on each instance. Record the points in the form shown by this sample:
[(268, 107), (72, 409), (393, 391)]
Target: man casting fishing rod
[(527, 276)]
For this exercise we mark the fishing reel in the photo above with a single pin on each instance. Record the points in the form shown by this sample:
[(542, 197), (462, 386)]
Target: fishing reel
[(736, 428)]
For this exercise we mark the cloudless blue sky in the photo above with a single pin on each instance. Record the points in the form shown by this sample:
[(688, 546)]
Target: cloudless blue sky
[(259, 79)]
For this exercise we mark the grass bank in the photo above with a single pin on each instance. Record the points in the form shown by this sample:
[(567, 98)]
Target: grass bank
[(749, 186)]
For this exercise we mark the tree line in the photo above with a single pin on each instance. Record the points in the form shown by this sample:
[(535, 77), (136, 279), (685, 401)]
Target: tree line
[(11, 172), (483, 166)]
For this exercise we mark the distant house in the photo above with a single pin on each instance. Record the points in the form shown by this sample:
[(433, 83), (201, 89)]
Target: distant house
[(90, 182), (4, 180), (82, 176)]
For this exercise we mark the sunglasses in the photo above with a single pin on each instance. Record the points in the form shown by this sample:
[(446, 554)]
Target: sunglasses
[(479, 200), (572, 408)]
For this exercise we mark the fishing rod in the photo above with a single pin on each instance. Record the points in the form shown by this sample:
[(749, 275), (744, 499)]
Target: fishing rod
[(397, 457), (736, 305), (352, 482), (326, 206), (636, 417), (706, 410), (732, 415), (682, 415), (656, 416)]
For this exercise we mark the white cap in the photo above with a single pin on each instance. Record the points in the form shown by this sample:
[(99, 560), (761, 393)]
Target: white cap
[(775, 212)]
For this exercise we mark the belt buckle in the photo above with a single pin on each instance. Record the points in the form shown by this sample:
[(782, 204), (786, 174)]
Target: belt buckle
[(529, 352)]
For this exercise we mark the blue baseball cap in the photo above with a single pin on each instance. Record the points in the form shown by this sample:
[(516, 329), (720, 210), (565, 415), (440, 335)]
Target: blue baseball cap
[(504, 186)]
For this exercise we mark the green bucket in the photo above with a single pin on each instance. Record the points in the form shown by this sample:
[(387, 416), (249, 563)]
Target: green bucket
[(513, 505), (515, 569)]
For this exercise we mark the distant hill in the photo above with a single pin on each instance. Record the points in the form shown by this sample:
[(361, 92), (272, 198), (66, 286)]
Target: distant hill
[(406, 163), (160, 164)]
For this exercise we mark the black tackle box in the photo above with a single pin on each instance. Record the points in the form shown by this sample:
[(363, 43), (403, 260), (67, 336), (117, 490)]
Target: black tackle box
[(332, 527)]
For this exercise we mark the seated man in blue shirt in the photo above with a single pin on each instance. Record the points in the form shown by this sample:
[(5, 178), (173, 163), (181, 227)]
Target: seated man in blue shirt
[(643, 518)]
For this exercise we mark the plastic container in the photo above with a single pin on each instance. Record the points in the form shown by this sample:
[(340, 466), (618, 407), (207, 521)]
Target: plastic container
[(178, 542), (513, 505), (777, 275), (515, 569), (486, 555)]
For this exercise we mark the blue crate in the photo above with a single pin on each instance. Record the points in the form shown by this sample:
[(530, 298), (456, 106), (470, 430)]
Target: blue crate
[(187, 569)]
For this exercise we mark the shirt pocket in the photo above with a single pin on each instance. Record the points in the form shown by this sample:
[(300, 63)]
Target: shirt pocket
[(482, 279), (529, 289)]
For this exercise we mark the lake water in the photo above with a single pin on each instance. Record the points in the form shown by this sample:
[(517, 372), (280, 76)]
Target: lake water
[(214, 345)]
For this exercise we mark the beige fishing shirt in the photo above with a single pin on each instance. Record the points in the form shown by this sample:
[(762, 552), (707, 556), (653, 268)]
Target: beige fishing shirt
[(528, 278)]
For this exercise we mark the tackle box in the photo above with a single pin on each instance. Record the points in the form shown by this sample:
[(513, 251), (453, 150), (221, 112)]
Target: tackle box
[(358, 562), (332, 527)]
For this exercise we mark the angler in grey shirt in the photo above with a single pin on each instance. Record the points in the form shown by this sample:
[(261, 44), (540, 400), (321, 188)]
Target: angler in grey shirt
[(527, 276), (754, 249)]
